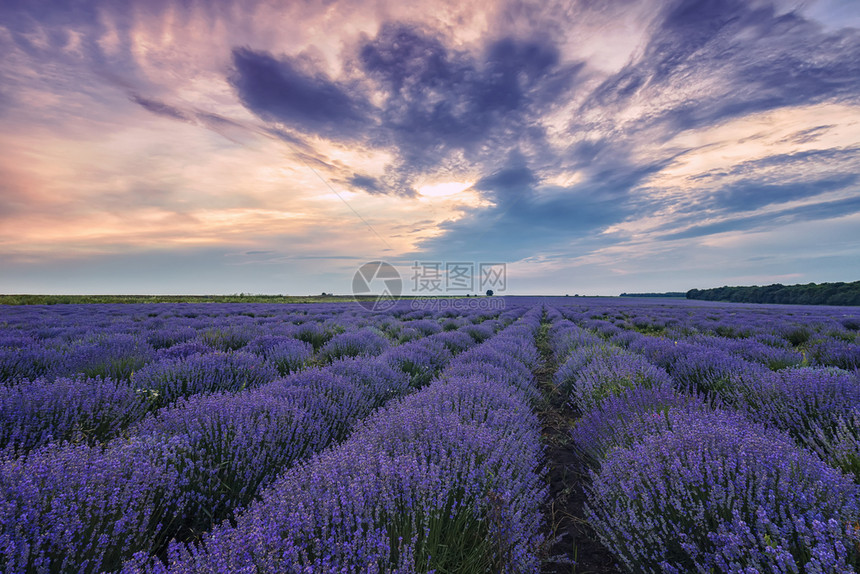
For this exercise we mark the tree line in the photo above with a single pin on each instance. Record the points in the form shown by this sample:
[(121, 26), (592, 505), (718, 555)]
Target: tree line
[(809, 294)]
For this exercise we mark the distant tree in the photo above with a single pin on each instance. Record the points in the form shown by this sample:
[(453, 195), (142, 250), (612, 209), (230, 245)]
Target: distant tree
[(489, 292), (809, 294)]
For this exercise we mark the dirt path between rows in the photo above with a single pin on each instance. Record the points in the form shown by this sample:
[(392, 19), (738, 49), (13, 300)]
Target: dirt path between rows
[(575, 550)]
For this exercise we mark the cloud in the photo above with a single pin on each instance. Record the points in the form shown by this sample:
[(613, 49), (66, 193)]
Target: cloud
[(528, 217), (437, 100), (159, 108), (279, 90), (809, 135), (710, 60), (810, 212), (777, 167), (508, 184), (749, 195), (765, 183), (434, 102), (5, 100), (366, 183)]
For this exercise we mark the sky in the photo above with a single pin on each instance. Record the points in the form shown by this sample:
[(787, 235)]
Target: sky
[(587, 146)]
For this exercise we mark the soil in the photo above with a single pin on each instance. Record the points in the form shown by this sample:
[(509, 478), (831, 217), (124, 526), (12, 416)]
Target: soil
[(573, 547)]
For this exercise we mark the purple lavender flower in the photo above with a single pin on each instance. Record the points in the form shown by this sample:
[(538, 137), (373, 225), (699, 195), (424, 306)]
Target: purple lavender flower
[(169, 379), (115, 356), (455, 341), (29, 362), (620, 421), (288, 355), (235, 444), (608, 375), (35, 413), (579, 358), (376, 379), (700, 369), (183, 350), (774, 357), (446, 476), (421, 360), (314, 334), (167, 336), (365, 342), (229, 337), (479, 333), (565, 336), (835, 353), (813, 405), (718, 493), (86, 508), (424, 326), (837, 441), (333, 401)]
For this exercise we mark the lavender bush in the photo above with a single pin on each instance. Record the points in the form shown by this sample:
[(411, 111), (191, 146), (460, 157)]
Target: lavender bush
[(835, 353), (170, 379), (29, 362), (36, 413), (289, 356), (85, 509), (446, 479), (716, 493), (115, 356), (814, 405), (620, 421), (365, 342), (233, 445), (421, 360), (609, 375)]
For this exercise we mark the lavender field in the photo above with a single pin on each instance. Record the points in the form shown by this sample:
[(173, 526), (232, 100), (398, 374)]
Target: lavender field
[(315, 438)]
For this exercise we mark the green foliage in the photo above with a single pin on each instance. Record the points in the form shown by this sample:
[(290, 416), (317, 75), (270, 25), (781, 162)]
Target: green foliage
[(809, 294)]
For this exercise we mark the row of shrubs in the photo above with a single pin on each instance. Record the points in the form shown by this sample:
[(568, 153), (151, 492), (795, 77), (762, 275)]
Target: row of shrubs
[(120, 350), (91, 410), (776, 344), (817, 406), (180, 470), (694, 468), (445, 480)]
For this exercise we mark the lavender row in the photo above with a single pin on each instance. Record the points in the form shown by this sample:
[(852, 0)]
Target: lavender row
[(446, 479), (116, 341), (593, 370), (711, 491), (90, 410), (678, 319), (35, 413), (213, 453), (679, 486), (775, 337), (818, 407)]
